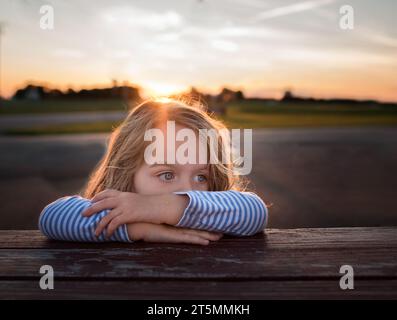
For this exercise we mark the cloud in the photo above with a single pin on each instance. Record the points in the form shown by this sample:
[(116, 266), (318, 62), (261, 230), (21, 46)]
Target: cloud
[(227, 46), (379, 38), (291, 9), (136, 17), (68, 53)]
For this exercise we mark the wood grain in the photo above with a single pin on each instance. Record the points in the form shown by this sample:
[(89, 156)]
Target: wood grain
[(288, 263)]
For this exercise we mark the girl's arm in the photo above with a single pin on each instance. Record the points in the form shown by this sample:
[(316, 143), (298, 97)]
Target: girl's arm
[(62, 220), (231, 212)]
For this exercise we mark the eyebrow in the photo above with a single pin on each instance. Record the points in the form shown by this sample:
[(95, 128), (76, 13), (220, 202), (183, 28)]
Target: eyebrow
[(172, 165), (161, 164)]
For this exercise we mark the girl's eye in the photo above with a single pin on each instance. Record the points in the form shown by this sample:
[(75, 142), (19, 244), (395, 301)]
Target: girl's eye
[(166, 176), (200, 178)]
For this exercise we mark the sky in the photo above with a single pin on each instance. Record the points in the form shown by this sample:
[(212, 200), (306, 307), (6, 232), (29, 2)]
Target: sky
[(260, 47)]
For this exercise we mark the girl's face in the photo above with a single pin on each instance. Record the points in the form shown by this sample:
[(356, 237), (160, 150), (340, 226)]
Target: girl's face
[(168, 178)]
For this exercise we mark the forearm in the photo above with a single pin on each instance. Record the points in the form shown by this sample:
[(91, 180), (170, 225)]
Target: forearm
[(172, 207), (62, 220), (230, 212), (137, 230)]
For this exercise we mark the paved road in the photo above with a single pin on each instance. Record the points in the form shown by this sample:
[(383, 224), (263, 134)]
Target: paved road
[(313, 177), (33, 120)]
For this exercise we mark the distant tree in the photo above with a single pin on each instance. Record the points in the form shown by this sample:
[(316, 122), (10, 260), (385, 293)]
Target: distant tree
[(30, 92), (240, 95), (228, 95), (288, 95), (33, 92)]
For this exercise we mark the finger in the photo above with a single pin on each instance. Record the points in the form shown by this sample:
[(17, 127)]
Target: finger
[(203, 232), (210, 235), (195, 239), (113, 225), (105, 221), (188, 238), (166, 234), (108, 203), (107, 193), (213, 236)]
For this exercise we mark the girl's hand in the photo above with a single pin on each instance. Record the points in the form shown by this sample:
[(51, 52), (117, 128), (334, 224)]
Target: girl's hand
[(128, 207), (151, 232)]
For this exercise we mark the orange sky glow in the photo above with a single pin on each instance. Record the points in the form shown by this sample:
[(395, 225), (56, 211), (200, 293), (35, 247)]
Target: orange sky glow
[(260, 47)]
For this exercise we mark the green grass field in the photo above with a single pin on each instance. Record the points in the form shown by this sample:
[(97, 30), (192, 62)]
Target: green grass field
[(245, 114), (60, 106), (255, 114), (74, 128)]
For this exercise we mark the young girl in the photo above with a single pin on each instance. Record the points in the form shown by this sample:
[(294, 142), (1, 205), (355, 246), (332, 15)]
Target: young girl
[(126, 199)]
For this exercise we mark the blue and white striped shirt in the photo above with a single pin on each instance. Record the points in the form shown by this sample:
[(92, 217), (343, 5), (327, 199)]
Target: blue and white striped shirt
[(230, 212)]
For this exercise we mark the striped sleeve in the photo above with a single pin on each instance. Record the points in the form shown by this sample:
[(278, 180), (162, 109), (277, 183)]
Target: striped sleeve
[(62, 220), (230, 212)]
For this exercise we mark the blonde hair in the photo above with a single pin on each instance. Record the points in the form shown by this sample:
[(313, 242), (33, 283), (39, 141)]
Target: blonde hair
[(126, 146)]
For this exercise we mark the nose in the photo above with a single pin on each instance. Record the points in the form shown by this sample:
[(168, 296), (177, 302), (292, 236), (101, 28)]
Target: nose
[(185, 185)]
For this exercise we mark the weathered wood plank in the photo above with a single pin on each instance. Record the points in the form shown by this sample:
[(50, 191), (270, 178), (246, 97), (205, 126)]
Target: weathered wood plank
[(192, 262), (157, 290), (274, 238), (34, 239), (299, 263)]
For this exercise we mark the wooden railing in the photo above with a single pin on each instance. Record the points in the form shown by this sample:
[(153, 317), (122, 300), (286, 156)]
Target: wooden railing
[(286, 264)]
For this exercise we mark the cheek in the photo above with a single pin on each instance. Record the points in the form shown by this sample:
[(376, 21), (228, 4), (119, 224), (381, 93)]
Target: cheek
[(146, 183), (139, 182), (204, 187)]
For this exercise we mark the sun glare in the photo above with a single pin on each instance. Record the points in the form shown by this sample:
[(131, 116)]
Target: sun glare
[(161, 89)]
